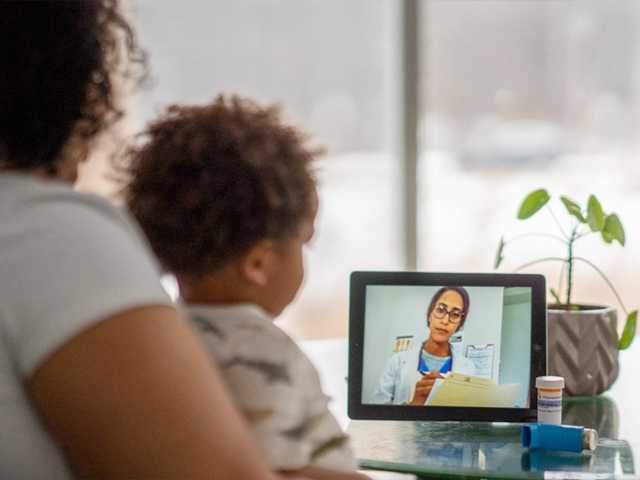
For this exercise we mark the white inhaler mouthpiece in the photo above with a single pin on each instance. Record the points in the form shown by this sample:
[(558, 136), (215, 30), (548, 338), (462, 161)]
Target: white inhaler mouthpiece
[(550, 399)]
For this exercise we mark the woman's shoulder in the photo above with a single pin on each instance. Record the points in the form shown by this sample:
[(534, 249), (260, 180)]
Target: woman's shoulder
[(58, 202), (42, 209), (50, 213), (78, 256)]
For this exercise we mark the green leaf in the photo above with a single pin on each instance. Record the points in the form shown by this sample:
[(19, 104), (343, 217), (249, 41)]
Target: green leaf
[(555, 296), (595, 214), (573, 208), (606, 236), (532, 203), (499, 254), (613, 229), (629, 331)]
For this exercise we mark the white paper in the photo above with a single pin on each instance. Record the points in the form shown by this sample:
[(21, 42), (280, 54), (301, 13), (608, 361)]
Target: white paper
[(482, 357)]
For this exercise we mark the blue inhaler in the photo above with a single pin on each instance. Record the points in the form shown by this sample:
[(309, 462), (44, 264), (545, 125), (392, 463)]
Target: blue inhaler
[(559, 437)]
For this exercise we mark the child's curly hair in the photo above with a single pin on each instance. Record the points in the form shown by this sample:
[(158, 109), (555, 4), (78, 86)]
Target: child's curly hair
[(210, 181)]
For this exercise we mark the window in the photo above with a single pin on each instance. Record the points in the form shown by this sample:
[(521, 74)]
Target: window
[(513, 96), (324, 61), (518, 95)]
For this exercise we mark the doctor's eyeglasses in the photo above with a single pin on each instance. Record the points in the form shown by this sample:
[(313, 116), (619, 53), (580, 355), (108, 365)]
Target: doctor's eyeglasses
[(455, 315)]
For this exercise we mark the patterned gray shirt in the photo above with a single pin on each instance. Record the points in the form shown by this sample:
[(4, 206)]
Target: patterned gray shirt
[(275, 386)]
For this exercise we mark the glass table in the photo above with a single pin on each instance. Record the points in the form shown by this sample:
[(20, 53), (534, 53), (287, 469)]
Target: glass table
[(454, 450)]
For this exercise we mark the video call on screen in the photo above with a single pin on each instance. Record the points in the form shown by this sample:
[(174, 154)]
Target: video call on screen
[(440, 346)]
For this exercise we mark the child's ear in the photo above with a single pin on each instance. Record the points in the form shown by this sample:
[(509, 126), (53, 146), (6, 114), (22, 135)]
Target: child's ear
[(257, 265)]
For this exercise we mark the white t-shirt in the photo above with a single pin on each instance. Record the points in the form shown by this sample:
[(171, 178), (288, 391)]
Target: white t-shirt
[(67, 261)]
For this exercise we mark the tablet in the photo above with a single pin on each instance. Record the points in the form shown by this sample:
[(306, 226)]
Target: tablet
[(446, 346)]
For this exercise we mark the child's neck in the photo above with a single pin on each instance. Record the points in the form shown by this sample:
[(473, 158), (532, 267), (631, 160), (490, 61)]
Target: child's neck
[(216, 290)]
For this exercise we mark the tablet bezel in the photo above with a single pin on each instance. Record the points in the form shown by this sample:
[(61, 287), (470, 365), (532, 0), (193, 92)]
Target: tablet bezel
[(358, 283)]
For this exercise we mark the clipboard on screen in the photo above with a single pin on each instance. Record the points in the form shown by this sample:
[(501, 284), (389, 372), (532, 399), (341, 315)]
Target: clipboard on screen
[(458, 390)]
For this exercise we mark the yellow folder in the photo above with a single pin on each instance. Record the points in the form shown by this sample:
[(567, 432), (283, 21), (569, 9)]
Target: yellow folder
[(458, 390)]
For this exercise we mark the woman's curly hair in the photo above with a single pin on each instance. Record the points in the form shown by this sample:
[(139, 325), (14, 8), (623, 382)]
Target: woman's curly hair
[(208, 182), (57, 65)]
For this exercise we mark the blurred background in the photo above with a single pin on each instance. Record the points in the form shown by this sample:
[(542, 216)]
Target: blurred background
[(437, 122)]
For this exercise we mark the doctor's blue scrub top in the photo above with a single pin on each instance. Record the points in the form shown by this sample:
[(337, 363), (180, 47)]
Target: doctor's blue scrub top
[(428, 363)]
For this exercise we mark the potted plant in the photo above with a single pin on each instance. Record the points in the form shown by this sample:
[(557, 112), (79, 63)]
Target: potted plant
[(583, 339)]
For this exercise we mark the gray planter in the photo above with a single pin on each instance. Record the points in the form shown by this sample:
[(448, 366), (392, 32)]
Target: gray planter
[(583, 348)]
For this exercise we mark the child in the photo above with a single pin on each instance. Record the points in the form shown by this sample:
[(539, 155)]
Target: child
[(227, 199)]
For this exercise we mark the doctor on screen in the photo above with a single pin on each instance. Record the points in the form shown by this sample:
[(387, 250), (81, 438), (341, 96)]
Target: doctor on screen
[(408, 377)]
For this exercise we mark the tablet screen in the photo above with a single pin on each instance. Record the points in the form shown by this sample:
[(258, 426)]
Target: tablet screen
[(447, 346)]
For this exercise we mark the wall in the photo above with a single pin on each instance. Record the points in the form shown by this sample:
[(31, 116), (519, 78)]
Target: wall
[(515, 358)]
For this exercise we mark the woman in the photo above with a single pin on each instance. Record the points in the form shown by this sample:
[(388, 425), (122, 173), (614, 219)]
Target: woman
[(100, 377), (409, 377)]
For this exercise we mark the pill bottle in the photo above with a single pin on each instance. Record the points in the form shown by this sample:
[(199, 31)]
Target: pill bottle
[(550, 399)]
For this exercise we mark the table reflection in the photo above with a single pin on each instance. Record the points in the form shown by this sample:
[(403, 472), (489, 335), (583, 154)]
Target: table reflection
[(459, 450), (612, 457), (480, 449), (600, 413)]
